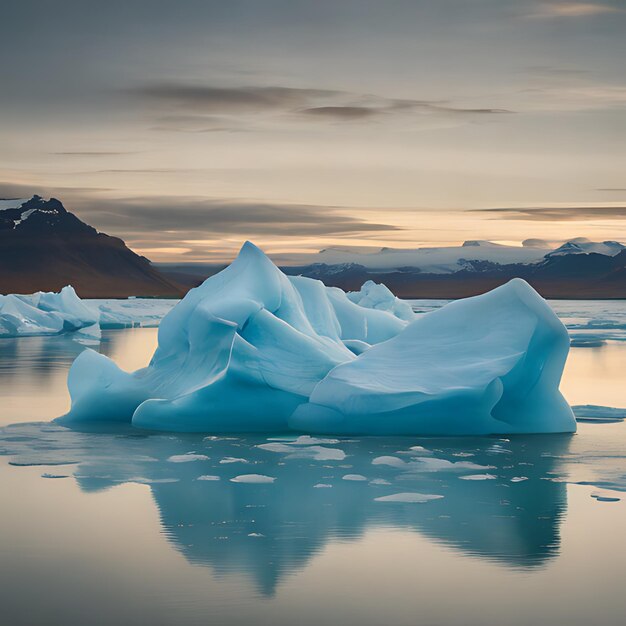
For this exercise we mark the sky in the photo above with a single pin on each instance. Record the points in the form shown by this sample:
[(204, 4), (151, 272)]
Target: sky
[(189, 127)]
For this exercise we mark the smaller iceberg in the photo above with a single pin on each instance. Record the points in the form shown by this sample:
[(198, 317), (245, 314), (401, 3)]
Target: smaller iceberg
[(45, 313), (596, 413), (378, 296), (133, 312)]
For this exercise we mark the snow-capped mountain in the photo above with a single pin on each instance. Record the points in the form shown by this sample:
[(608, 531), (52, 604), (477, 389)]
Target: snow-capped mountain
[(473, 255), (577, 269), (581, 245), (44, 247), (37, 215)]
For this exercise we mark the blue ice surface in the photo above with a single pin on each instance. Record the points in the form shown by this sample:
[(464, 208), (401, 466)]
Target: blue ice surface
[(45, 313), (49, 313), (253, 350)]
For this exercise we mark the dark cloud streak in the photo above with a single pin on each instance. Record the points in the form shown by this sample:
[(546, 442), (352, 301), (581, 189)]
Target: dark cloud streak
[(558, 214), (196, 107), (223, 217), (340, 113)]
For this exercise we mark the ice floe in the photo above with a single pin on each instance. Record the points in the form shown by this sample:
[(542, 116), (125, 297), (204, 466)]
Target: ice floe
[(256, 479), (46, 314), (408, 497), (596, 413), (478, 477), (378, 296), (49, 313)]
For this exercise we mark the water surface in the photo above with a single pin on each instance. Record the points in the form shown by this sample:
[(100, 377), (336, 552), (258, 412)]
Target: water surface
[(120, 526)]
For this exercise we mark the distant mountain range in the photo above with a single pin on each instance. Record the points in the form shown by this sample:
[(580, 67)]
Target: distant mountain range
[(44, 247), (578, 269)]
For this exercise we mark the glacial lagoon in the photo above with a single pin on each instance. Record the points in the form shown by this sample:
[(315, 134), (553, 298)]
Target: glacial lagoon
[(115, 525)]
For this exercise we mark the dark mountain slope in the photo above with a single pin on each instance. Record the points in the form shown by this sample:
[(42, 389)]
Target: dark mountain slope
[(43, 247)]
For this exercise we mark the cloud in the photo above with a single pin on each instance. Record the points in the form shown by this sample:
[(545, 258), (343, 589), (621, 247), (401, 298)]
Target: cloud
[(208, 98), (194, 123), (158, 218), (549, 71), (201, 108), (573, 10), (341, 113), (559, 214), (93, 154), (193, 216)]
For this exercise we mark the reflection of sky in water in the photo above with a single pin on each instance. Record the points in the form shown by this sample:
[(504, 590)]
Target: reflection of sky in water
[(524, 543)]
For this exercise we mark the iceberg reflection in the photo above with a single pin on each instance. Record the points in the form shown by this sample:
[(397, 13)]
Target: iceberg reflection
[(503, 500)]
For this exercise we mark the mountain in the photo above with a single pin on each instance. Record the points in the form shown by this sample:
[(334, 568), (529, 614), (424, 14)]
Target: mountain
[(575, 276), (581, 245), (578, 269), (44, 247), (443, 260)]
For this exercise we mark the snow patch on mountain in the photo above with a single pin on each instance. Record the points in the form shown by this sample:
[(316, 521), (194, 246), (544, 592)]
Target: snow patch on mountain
[(582, 245)]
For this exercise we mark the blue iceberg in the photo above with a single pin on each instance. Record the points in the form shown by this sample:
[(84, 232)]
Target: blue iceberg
[(46, 313), (252, 350)]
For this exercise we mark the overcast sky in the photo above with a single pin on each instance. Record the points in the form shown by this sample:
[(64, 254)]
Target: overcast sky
[(189, 127)]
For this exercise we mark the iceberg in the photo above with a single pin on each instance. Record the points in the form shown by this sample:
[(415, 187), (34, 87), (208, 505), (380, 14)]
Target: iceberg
[(253, 350), (596, 413), (378, 296), (44, 313)]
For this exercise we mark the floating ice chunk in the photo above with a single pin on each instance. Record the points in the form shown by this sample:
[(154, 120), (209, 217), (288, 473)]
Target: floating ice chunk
[(307, 440), (579, 341), (596, 413), (379, 481), (253, 479), (518, 479), (437, 465), (46, 314), (478, 477), (354, 477), (208, 477), (409, 497), (187, 458), (485, 365), (392, 461), (605, 496), (316, 453), (145, 312), (606, 499), (378, 296), (232, 459), (322, 486)]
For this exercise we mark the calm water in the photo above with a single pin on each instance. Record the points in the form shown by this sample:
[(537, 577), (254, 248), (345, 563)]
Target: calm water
[(126, 527)]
